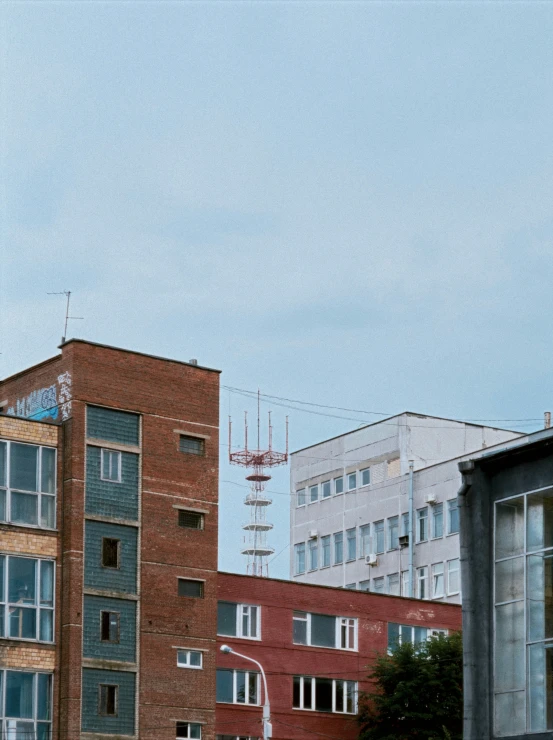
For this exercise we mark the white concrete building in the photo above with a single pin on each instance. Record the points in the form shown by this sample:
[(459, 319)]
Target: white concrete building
[(349, 522)]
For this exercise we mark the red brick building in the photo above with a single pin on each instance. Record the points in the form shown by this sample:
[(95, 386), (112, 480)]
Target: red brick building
[(314, 643), (127, 539)]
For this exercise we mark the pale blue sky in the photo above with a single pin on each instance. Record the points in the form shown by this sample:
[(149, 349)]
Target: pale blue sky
[(345, 203)]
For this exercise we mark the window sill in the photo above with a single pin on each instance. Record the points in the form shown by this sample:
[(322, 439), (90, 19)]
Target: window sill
[(320, 711), (325, 647), (27, 640), (238, 704), (33, 527), (191, 667), (452, 534)]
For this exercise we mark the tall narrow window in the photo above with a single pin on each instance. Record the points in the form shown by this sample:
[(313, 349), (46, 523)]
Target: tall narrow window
[(422, 524), (379, 536), (366, 477), (452, 516), (108, 699), (393, 584), (438, 581), (364, 540), (313, 546), (299, 558), (422, 582), (393, 533), (338, 548), (109, 626), (325, 551), (111, 549), (453, 580), (339, 485), (111, 466), (313, 494), (351, 543), (437, 520), (352, 481), (300, 497), (325, 489)]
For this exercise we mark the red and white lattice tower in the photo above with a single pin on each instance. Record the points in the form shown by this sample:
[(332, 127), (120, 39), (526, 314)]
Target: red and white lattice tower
[(257, 548)]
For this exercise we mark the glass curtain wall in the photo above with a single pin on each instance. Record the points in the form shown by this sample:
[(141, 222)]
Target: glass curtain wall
[(523, 594)]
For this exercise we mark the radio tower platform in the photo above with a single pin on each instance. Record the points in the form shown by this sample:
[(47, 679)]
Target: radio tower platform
[(257, 527)]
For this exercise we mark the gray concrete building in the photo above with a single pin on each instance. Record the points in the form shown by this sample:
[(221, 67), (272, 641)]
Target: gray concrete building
[(351, 498), (506, 516)]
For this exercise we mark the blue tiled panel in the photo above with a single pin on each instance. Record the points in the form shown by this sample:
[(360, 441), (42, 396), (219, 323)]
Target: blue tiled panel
[(111, 579), (115, 426), (93, 647), (92, 721), (105, 498)]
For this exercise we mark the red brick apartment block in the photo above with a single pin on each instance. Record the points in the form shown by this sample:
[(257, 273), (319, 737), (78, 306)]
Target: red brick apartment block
[(289, 614), (136, 513)]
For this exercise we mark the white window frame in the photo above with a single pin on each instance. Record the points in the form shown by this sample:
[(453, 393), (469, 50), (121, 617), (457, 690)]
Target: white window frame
[(435, 576), (341, 542), (245, 610), (188, 735), (422, 578), (453, 570), (34, 720), (437, 508), (390, 527), (450, 506), (7, 605), (301, 497), (326, 548), (105, 451), (365, 585), (364, 540), (422, 516), (297, 552), (334, 710), (379, 530), (186, 662), (349, 540), (397, 583), (313, 554), (247, 702), (376, 583), (38, 493), (365, 477), (352, 478), (315, 488), (347, 622), (335, 481), (326, 485)]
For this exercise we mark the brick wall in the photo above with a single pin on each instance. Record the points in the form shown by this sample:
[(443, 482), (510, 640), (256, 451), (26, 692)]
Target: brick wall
[(282, 659)]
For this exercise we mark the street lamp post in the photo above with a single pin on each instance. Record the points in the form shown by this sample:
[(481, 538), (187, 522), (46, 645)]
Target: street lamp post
[(267, 726)]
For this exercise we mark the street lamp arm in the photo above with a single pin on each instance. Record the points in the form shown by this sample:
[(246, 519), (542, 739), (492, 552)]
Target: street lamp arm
[(246, 657)]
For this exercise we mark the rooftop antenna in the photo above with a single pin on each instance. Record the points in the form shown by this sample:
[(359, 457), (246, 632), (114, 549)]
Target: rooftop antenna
[(257, 548), (67, 294)]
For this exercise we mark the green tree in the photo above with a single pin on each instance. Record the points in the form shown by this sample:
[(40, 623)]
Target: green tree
[(418, 693)]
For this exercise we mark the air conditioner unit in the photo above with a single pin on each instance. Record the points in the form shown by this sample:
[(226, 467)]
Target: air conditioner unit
[(371, 559), (313, 534), (431, 499), (404, 540)]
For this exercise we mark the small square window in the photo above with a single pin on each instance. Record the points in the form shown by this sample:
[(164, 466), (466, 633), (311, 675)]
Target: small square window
[(191, 520), (111, 550), (189, 659), (192, 445), (110, 468), (189, 730), (109, 626), (107, 700), (188, 587)]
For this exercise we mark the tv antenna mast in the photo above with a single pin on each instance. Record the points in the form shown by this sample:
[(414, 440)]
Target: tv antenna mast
[(257, 548), (67, 294)]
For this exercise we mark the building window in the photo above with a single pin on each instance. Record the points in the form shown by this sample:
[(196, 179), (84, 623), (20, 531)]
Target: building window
[(111, 552), (452, 517), (189, 659), (192, 445), (25, 704), (109, 626), (325, 551), (366, 477), (27, 484), (399, 634), (352, 481), (405, 524), (378, 585), (325, 489), (350, 586), (110, 468), (238, 620), (192, 588), (438, 590), (300, 497), (338, 548), (437, 521), (237, 687), (351, 542), (365, 585), (322, 630), (26, 598), (405, 583), (364, 540), (108, 696), (299, 558), (393, 584), (191, 519), (393, 533), (453, 579), (422, 582), (325, 695), (313, 494), (313, 549), (190, 730), (379, 536), (422, 524), (339, 484)]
